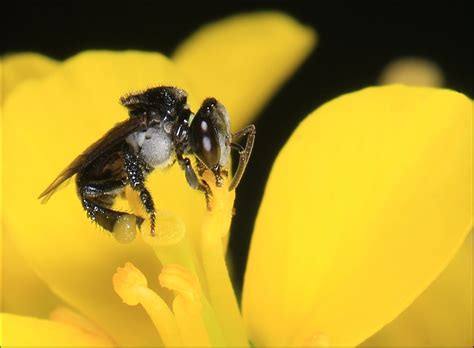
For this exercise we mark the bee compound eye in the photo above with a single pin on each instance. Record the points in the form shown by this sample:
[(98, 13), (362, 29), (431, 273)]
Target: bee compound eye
[(204, 141)]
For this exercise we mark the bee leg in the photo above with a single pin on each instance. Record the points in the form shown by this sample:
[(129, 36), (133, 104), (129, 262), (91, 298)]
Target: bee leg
[(97, 198), (244, 153), (136, 178), (201, 168), (193, 180)]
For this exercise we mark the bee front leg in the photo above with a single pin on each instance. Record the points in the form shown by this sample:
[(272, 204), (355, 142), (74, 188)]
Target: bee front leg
[(193, 180), (136, 178), (97, 198)]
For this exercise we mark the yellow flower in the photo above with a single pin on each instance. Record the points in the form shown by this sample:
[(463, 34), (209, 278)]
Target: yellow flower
[(367, 203)]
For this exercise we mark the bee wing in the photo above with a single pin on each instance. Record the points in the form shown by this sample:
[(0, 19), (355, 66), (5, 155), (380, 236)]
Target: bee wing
[(112, 138), (59, 183)]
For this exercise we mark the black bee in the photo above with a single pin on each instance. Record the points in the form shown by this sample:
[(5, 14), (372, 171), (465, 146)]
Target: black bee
[(161, 130)]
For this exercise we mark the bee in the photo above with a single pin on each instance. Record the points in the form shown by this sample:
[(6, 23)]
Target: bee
[(161, 130)]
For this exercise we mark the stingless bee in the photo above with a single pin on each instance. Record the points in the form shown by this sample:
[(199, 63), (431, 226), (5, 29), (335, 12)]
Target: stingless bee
[(161, 130)]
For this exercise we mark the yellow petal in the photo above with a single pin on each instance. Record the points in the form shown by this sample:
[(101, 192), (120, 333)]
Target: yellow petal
[(21, 288), (365, 205), (34, 332), (243, 60), (18, 68), (19, 283), (440, 316), (49, 122)]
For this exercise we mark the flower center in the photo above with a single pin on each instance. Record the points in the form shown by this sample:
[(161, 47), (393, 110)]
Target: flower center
[(204, 310)]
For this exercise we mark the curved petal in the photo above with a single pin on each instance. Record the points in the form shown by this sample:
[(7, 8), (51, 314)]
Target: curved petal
[(33, 332), (18, 68), (441, 316), (20, 286), (365, 205), (243, 60), (49, 122)]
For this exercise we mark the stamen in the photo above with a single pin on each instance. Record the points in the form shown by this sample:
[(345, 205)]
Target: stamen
[(131, 285), (205, 307), (183, 282), (173, 247), (215, 229), (187, 306), (127, 281)]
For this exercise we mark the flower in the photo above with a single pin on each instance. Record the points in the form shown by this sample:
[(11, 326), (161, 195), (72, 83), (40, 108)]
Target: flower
[(70, 253), (365, 219)]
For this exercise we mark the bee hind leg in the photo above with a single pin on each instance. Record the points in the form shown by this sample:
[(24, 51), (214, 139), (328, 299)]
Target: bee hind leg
[(97, 199), (136, 176)]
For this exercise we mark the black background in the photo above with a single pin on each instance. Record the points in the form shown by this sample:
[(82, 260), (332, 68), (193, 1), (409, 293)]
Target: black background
[(356, 40)]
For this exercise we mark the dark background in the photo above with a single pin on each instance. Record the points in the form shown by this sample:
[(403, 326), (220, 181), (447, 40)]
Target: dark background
[(356, 40)]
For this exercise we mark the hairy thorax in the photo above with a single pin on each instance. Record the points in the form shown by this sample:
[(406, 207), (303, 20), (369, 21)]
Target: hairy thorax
[(154, 145)]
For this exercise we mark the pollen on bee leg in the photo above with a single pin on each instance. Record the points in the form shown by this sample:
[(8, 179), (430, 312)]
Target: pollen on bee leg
[(131, 285), (125, 228)]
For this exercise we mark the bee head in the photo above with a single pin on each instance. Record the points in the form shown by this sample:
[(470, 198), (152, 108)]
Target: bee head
[(210, 135)]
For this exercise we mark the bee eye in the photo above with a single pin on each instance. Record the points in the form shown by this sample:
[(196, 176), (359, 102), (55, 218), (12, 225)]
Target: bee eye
[(204, 142)]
